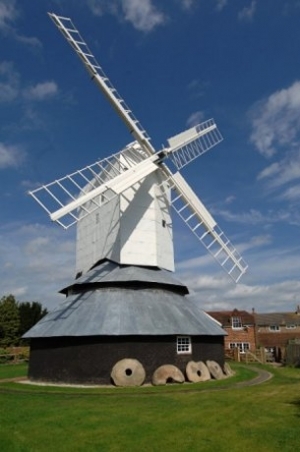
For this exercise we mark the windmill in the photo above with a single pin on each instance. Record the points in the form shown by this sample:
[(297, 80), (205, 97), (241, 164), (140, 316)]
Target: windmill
[(121, 207)]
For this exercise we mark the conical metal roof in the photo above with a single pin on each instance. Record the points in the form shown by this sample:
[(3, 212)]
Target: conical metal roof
[(120, 312), (114, 300)]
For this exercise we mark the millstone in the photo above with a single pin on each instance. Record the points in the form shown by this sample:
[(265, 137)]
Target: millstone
[(128, 372), (227, 370), (197, 371), (215, 370), (167, 374)]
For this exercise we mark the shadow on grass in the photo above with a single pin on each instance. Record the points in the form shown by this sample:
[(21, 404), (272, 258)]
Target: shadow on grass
[(244, 376), (296, 403)]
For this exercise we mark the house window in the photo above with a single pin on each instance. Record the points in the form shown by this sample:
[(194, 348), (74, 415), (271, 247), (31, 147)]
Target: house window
[(242, 346), (236, 323), (290, 326), (274, 328), (184, 344)]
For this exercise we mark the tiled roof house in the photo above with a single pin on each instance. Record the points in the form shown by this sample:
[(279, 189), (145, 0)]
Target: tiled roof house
[(274, 330), (240, 329)]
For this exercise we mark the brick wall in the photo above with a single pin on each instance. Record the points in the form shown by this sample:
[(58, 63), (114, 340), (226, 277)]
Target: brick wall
[(267, 338), (246, 334)]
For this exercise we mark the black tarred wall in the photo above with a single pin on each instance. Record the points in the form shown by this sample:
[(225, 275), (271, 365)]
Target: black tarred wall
[(90, 359)]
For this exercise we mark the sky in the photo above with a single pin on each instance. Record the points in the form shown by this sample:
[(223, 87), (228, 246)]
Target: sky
[(176, 63)]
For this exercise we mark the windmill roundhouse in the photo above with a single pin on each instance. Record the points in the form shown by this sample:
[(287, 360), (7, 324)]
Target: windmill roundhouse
[(124, 302), (115, 312)]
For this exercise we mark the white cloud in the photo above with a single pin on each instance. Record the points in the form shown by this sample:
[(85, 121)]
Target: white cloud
[(221, 4), (36, 245), (270, 284), (9, 82), (255, 217), (19, 291), (247, 13), (276, 135), (11, 156), (187, 4), (291, 194), (230, 199), (282, 172), (41, 91), (269, 171), (209, 282), (142, 14), (199, 261), (8, 15), (7, 92), (11, 89), (195, 118), (100, 7), (30, 40), (259, 240), (13, 93), (42, 261), (276, 121)]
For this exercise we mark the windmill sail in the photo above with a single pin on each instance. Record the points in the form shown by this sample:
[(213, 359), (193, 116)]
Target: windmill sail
[(188, 145), (74, 38), (71, 198), (201, 223)]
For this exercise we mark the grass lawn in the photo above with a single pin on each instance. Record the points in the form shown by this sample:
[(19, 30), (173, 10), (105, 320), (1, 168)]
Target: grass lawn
[(176, 418), (12, 371)]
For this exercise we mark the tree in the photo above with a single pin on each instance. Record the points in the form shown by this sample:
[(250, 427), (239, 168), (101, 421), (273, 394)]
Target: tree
[(30, 314), (9, 321), (17, 318)]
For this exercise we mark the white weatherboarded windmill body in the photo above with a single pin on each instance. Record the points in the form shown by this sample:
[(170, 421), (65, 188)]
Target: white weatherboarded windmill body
[(121, 207)]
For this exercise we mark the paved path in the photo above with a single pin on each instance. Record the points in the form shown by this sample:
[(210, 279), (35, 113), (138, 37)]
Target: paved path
[(261, 377)]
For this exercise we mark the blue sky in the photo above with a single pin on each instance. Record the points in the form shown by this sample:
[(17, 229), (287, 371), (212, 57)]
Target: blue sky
[(175, 62)]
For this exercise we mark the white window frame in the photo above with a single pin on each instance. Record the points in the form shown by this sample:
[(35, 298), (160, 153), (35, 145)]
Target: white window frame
[(236, 323), (290, 326), (184, 345), (242, 346), (274, 328)]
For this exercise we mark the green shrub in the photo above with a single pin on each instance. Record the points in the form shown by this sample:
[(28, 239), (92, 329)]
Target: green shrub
[(5, 356)]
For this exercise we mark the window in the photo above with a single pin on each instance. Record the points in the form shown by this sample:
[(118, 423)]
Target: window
[(290, 326), (274, 328), (236, 323), (184, 344), (242, 346)]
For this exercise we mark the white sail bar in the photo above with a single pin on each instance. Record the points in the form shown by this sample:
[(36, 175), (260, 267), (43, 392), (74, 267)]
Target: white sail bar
[(72, 35), (92, 186), (201, 223), (192, 143)]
